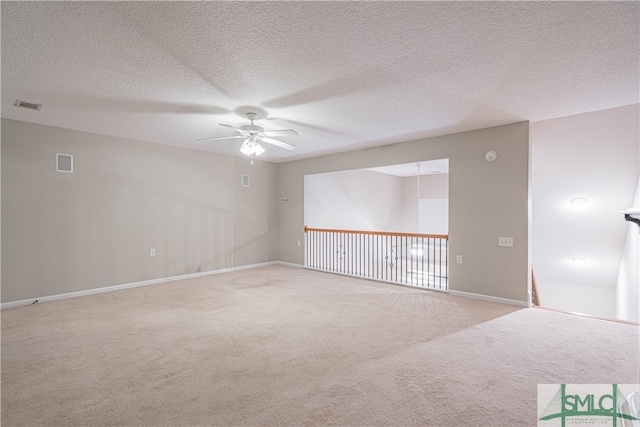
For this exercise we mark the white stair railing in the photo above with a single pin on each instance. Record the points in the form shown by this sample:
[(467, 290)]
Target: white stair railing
[(412, 259)]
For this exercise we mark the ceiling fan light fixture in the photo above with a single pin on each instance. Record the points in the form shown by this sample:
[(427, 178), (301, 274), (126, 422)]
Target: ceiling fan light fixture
[(250, 147), (258, 149), (579, 202), (255, 134)]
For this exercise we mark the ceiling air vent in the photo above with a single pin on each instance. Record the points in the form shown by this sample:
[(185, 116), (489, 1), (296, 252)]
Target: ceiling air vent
[(28, 105)]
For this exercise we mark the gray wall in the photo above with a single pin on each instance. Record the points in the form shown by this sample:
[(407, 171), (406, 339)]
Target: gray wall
[(486, 200), (93, 228)]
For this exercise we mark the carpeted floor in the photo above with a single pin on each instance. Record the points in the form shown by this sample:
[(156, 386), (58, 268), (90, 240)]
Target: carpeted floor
[(286, 346)]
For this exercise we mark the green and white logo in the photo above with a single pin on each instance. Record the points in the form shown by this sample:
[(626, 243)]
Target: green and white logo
[(589, 404)]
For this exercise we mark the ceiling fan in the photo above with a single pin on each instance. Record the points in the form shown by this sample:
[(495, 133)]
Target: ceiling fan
[(253, 134)]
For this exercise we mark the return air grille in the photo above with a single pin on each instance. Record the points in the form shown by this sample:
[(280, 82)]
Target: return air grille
[(29, 105)]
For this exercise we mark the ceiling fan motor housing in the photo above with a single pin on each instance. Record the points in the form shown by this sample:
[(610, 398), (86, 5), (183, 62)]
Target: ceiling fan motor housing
[(252, 128)]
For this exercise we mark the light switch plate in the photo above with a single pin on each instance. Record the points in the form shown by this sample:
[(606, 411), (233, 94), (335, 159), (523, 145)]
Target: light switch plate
[(505, 241)]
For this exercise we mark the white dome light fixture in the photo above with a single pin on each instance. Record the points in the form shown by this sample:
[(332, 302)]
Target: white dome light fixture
[(579, 202)]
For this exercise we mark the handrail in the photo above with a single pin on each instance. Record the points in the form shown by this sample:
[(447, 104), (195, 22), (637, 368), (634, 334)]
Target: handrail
[(536, 293), (412, 259), (378, 233)]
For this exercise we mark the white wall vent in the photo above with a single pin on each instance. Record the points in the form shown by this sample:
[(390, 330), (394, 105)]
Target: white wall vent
[(245, 180), (64, 163), (29, 105)]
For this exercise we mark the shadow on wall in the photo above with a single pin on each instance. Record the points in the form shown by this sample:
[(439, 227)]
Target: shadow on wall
[(130, 211)]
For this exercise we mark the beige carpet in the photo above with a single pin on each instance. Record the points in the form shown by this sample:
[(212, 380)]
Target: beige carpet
[(284, 346)]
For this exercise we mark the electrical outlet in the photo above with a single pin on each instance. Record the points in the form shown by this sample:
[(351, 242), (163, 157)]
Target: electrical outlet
[(505, 241), (459, 259), (152, 252), (299, 243)]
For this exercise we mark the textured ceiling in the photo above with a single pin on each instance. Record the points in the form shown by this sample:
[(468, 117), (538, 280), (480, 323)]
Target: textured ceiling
[(345, 75)]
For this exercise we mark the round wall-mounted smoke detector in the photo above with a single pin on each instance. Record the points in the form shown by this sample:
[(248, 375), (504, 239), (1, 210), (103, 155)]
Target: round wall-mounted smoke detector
[(490, 156)]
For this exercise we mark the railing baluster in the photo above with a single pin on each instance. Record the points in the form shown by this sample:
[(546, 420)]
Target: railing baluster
[(422, 267), (434, 262), (404, 272), (385, 246), (376, 242), (352, 269), (446, 263), (308, 255), (378, 264), (433, 273), (325, 251), (340, 254), (440, 264), (411, 271), (395, 258), (314, 244), (345, 265), (334, 245), (360, 239), (404, 258), (391, 254)]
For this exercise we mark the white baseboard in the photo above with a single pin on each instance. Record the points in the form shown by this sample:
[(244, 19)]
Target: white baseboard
[(209, 273), (288, 264), (138, 284), (489, 298)]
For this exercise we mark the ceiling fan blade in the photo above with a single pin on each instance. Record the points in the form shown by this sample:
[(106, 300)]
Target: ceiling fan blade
[(280, 132), (232, 127), (222, 137), (278, 143)]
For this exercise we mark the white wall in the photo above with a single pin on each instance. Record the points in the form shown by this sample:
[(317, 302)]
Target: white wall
[(353, 200), (366, 200), (431, 187), (594, 301), (628, 285), (594, 156)]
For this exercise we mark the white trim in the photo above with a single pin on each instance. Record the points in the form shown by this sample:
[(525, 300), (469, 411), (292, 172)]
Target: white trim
[(29, 301), (58, 155), (134, 285), (289, 264), (489, 298)]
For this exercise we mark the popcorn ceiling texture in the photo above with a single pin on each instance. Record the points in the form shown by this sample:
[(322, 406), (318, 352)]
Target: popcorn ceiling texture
[(344, 74)]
